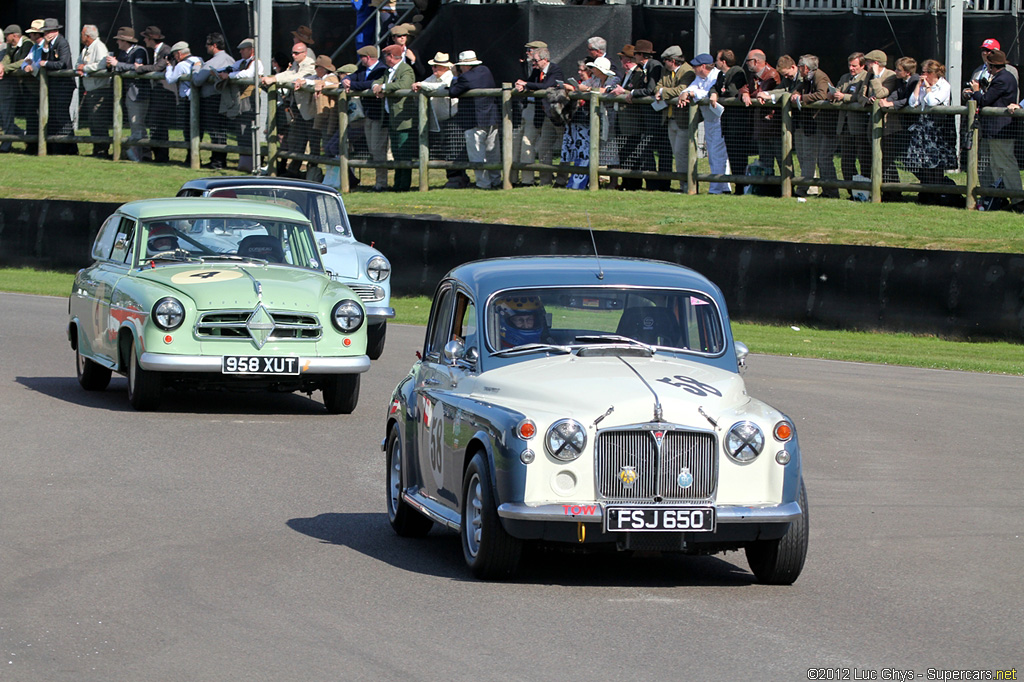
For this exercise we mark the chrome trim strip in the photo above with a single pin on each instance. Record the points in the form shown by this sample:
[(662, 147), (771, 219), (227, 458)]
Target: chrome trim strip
[(781, 513), (163, 362), (432, 510), (379, 312)]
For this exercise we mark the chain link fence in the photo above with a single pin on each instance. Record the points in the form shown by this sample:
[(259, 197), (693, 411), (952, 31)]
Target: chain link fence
[(954, 155)]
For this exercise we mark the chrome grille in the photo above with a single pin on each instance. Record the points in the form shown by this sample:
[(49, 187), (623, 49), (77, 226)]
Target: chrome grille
[(367, 292), (231, 324), (656, 471)]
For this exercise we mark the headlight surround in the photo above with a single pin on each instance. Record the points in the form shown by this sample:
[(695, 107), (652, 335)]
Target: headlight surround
[(378, 268), (347, 316), (744, 442), (168, 313), (566, 439)]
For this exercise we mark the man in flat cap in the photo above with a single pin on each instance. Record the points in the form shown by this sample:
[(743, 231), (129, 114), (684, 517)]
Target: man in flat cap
[(399, 114), (542, 139), (646, 131), (237, 97), (210, 119), (299, 107), (370, 70), (677, 76), (16, 47), (97, 101), (881, 82), (401, 35), (162, 100)]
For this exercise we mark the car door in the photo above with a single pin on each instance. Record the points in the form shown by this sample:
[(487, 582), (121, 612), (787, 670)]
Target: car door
[(432, 387), (101, 283), (457, 411)]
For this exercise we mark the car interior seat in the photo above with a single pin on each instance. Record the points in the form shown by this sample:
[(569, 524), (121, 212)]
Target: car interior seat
[(262, 246), (656, 326)]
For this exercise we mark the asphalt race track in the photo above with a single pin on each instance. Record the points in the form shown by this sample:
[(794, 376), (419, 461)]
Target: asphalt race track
[(244, 537)]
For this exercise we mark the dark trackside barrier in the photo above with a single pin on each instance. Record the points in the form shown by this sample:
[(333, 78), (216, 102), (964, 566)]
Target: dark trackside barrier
[(948, 293)]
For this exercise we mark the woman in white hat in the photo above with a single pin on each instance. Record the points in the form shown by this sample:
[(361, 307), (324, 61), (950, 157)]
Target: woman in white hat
[(446, 139), (576, 141)]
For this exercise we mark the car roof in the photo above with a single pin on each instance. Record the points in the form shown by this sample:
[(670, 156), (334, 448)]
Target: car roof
[(487, 276), (186, 207), (222, 182)]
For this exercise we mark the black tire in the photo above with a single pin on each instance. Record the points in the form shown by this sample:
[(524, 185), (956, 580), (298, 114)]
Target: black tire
[(406, 521), (375, 336), (341, 393), (91, 376), (779, 562), (490, 552), (145, 388)]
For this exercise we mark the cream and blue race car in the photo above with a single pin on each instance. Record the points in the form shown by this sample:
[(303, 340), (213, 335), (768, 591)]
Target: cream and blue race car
[(593, 403), (215, 293)]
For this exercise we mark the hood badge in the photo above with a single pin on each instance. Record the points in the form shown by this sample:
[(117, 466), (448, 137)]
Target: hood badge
[(628, 476), (260, 325), (685, 478), (659, 437)]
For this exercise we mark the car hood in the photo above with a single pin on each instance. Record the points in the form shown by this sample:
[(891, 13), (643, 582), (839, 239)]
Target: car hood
[(214, 286), (345, 257), (584, 388)]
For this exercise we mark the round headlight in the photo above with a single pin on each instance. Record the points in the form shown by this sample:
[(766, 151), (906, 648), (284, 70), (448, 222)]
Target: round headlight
[(744, 441), (168, 314), (378, 269), (566, 439), (347, 316)]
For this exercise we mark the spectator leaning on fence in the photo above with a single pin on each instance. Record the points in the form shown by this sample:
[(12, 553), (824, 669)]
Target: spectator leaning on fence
[(162, 99), (30, 92), (299, 108), (852, 126), (814, 142), (370, 70), (598, 47), (237, 98), (907, 79), (400, 113), (932, 144), (210, 119), (735, 120), (446, 138), (767, 128), (57, 57), (677, 76), (16, 48), (997, 134), (702, 91), (130, 55), (182, 66), (479, 117), (97, 99), (542, 138), (882, 81)]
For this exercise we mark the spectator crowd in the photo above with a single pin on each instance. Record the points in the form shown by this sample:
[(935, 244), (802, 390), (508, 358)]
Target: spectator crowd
[(551, 115)]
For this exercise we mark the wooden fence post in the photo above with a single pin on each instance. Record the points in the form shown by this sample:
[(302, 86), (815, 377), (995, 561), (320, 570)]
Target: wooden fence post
[(118, 123), (422, 108), (876, 153), (594, 183), (271, 128), (194, 131), (691, 152), (787, 147), (506, 136), (343, 142), (44, 111), (974, 139)]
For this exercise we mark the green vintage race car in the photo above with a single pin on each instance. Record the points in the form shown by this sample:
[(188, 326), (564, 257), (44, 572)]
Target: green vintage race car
[(215, 293)]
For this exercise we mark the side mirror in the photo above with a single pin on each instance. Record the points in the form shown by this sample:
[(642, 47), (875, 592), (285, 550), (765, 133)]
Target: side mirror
[(323, 246), (741, 353), (454, 351)]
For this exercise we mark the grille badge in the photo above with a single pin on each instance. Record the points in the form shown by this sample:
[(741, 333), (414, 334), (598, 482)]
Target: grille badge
[(628, 476), (659, 437), (685, 478), (260, 325)]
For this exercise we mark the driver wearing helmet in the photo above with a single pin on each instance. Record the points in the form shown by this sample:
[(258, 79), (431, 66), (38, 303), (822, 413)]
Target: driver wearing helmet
[(161, 238), (521, 320)]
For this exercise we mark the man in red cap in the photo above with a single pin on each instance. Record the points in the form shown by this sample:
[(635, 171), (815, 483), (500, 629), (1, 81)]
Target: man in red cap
[(983, 74)]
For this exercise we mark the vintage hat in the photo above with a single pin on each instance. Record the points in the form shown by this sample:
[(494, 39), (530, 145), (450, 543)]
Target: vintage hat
[(394, 50), (672, 52), (35, 27), (51, 24), (304, 34), (346, 69), (152, 32), (401, 30), (644, 47), (703, 59), (627, 51), (248, 42), (997, 58), (127, 34), (535, 44), (325, 62), (990, 44), (601, 64), (13, 28), (367, 51), (180, 45), (468, 58), (440, 59), (875, 56)]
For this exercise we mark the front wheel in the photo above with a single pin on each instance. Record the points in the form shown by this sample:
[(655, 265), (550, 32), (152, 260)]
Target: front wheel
[(406, 521), (144, 387), (779, 562), (92, 376), (341, 393), (375, 336), (490, 552)]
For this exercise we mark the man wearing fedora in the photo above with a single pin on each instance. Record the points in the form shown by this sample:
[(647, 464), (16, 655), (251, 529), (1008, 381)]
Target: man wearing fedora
[(162, 99), (130, 55), (206, 79), (399, 114), (57, 57), (997, 133), (478, 117), (304, 35), (370, 70), (97, 101), (16, 48), (677, 77), (446, 138)]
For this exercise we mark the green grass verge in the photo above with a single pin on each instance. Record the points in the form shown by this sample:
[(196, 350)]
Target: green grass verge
[(814, 221), (886, 349)]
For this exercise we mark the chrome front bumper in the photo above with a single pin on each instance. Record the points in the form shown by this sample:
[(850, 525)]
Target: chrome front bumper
[(162, 362), (780, 513), (375, 314)]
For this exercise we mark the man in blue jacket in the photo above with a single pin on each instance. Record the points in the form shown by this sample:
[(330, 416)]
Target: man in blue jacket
[(996, 132), (371, 70), (478, 116)]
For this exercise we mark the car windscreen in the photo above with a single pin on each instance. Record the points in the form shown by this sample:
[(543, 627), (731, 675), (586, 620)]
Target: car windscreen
[(324, 210), (274, 241), (675, 319)]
